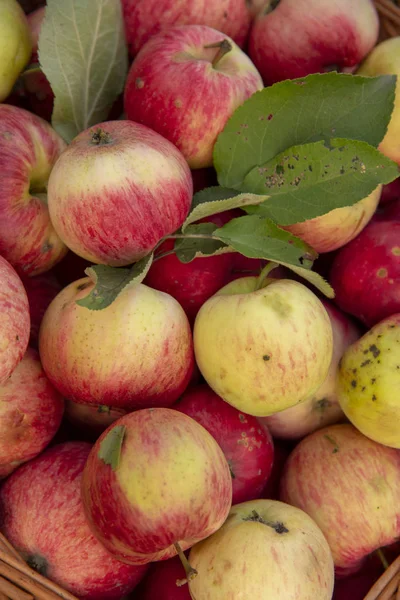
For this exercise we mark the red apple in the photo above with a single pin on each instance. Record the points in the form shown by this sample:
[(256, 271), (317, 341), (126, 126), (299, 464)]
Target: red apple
[(41, 290), (247, 446), (162, 481), (135, 353), (15, 320), (185, 83), (390, 191), (204, 178), (350, 486), (145, 18), (71, 268), (91, 420), (160, 582), (117, 190), (366, 273), (30, 413), (389, 212), (35, 20), (356, 586), (29, 147), (42, 516), (293, 38), (282, 450)]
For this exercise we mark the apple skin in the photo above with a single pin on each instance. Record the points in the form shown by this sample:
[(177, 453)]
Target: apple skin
[(323, 407), (390, 191), (384, 59), (368, 380), (247, 446), (282, 450), (29, 147), (135, 353), (71, 268), (179, 491), (35, 20), (145, 18), (338, 227), (42, 516), (357, 586), (263, 350), (41, 290), (365, 273), (30, 413), (294, 38), (160, 582), (127, 180), (15, 44), (350, 486), (91, 420), (173, 88), (277, 549), (391, 211), (15, 321)]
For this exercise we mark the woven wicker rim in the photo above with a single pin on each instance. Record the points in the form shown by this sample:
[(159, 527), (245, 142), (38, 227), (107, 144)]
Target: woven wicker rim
[(19, 582)]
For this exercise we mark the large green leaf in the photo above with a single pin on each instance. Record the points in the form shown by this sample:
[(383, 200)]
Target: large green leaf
[(300, 111)]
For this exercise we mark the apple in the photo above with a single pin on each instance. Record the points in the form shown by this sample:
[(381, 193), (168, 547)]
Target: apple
[(294, 38), (15, 44), (145, 18), (204, 178), (390, 191), (338, 227), (29, 147), (322, 408), (15, 320), (265, 549), (384, 59), (368, 380), (247, 446), (35, 20), (391, 212), (135, 353), (263, 350), (160, 582), (70, 268), (255, 6), (116, 191), (350, 486), (185, 83), (365, 273), (162, 481), (357, 585), (41, 290), (91, 420), (30, 413), (282, 450), (42, 516)]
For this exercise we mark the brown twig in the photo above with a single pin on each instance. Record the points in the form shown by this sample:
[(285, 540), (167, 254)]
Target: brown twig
[(26, 583), (385, 579), (13, 592)]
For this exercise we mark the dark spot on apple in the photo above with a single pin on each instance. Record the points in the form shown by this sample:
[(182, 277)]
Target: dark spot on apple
[(373, 398), (266, 357), (333, 442), (382, 273), (363, 388), (17, 338), (366, 362), (375, 350), (396, 252), (354, 371), (82, 286), (373, 380), (227, 565), (38, 563), (225, 14), (46, 247), (323, 404), (139, 83), (271, 6), (231, 470), (353, 383), (242, 418)]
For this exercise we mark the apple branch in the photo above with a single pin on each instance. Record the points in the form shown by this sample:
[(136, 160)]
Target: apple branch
[(190, 572)]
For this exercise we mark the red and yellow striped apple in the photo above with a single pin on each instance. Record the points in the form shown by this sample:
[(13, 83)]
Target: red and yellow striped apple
[(155, 483), (15, 320), (30, 413), (185, 83), (29, 147), (117, 190), (263, 350)]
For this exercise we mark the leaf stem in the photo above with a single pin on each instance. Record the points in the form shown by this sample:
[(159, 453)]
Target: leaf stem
[(190, 572), (184, 236), (264, 274), (163, 255)]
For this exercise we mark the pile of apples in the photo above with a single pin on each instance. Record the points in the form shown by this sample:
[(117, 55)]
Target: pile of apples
[(219, 431)]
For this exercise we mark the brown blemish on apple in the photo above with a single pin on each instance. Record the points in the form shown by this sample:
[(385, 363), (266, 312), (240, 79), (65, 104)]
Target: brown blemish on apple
[(227, 565), (139, 83), (242, 418), (46, 247), (38, 563), (266, 357), (222, 373), (178, 103), (396, 250), (382, 273)]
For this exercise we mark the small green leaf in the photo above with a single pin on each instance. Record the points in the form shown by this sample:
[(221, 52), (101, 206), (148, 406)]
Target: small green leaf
[(83, 53), (300, 111), (307, 181), (312, 277), (110, 281), (201, 244), (214, 200), (111, 446), (258, 237)]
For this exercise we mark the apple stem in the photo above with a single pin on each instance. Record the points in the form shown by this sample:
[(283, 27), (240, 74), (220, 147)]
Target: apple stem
[(190, 572), (382, 558), (224, 47), (100, 137), (264, 274)]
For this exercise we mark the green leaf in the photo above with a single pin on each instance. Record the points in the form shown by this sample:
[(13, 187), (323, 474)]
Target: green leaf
[(312, 277), (110, 281), (307, 181), (258, 237), (300, 111), (111, 446), (214, 200), (83, 53), (202, 244)]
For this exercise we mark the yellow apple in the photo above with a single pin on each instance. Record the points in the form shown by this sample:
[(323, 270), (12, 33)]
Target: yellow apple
[(369, 383), (15, 44), (263, 350), (385, 60)]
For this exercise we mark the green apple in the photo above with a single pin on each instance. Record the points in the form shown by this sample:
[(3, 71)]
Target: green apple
[(369, 383), (385, 60), (266, 550), (263, 347), (15, 44)]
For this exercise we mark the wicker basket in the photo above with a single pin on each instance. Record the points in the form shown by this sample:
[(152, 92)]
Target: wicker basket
[(19, 582)]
